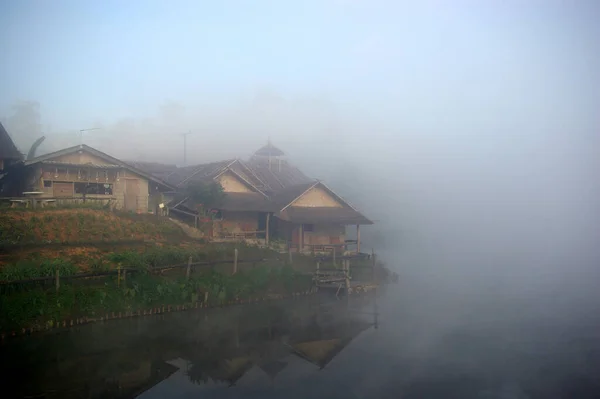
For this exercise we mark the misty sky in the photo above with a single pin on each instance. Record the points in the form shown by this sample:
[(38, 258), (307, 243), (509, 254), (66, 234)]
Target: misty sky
[(475, 116)]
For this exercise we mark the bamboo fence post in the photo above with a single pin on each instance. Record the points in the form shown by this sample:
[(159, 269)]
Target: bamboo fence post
[(334, 251), (346, 267), (57, 282), (187, 271), (235, 260), (373, 264), (317, 274)]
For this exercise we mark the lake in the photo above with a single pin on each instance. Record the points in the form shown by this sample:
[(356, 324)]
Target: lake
[(402, 342)]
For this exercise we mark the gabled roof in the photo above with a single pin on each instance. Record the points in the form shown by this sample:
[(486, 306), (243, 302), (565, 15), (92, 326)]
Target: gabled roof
[(47, 158), (284, 199), (162, 171), (235, 202), (195, 173), (211, 171), (8, 149), (277, 174)]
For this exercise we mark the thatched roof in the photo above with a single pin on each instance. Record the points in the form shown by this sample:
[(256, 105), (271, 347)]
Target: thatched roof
[(110, 161), (345, 214), (255, 202), (233, 202), (197, 173), (8, 149), (162, 171), (325, 215), (286, 196), (277, 175)]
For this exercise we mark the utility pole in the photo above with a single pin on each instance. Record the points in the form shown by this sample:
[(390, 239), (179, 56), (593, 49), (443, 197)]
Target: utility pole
[(185, 147), (85, 130)]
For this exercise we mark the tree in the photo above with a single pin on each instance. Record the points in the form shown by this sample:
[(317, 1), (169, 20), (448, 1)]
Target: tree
[(205, 195), (25, 122)]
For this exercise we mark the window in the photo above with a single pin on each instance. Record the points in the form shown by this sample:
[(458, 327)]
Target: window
[(94, 188), (47, 183), (308, 227)]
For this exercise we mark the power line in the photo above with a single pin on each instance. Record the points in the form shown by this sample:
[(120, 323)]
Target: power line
[(85, 130), (185, 147)]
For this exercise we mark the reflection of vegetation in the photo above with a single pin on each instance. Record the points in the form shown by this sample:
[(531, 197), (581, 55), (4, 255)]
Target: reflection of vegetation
[(121, 360)]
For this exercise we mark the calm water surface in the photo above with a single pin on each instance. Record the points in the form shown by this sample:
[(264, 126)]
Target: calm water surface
[(401, 343)]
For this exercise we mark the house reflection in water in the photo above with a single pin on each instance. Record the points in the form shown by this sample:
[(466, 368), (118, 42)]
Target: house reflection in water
[(315, 338), (148, 357)]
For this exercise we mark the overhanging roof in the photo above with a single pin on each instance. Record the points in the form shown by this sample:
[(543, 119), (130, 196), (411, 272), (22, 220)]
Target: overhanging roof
[(325, 215), (111, 161), (284, 200)]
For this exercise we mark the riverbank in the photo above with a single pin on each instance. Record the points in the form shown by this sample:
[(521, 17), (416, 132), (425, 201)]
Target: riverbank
[(39, 309), (55, 273)]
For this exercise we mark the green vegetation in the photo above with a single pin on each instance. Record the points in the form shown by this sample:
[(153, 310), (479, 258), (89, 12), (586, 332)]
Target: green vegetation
[(206, 195), (41, 307), (31, 269), (79, 226)]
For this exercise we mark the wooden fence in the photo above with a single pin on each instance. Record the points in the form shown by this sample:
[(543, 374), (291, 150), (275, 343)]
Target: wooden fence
[(121, 272)]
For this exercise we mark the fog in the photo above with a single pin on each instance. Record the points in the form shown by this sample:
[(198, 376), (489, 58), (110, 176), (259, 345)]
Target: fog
[(469, 133)]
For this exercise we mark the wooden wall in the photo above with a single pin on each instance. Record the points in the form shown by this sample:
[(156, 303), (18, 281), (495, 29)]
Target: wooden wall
[(63, 177), (325, 234), (234, 222), (82, 158)]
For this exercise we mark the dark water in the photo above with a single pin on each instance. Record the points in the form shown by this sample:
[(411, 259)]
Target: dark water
[(402, 343)]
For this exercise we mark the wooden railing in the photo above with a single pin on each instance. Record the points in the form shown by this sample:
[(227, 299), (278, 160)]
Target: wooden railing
[(34, 202)]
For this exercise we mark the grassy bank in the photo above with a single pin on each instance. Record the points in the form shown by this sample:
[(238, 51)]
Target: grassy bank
[(64, 226), (43, 306)]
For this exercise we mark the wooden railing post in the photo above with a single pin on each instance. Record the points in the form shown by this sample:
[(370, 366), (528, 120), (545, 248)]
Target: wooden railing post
[(346, 266), (235, 260), (373, 264)]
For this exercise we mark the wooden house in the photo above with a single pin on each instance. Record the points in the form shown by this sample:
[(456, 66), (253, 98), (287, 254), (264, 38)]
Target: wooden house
[(244, 211), (313, 218), (83, 172), (267, 196)]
